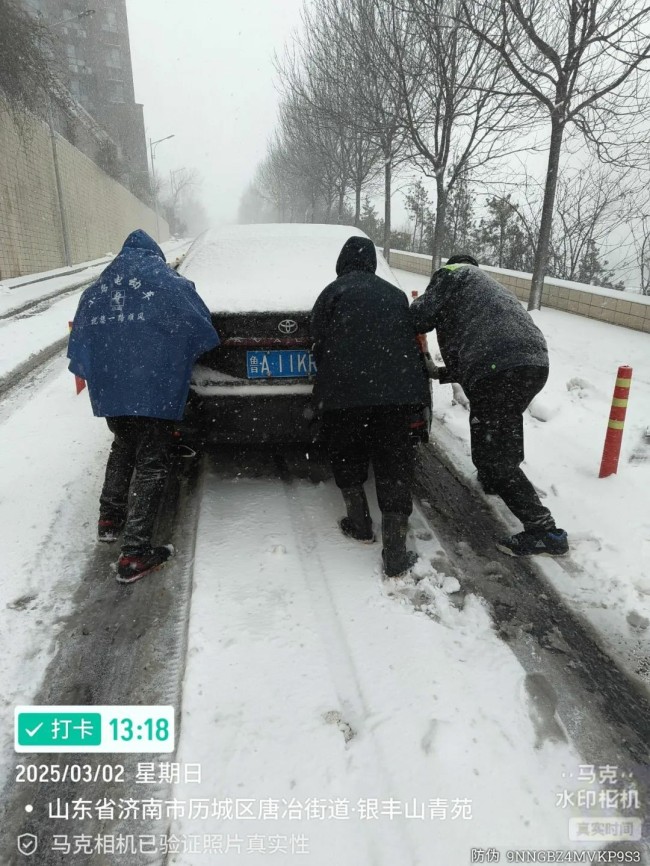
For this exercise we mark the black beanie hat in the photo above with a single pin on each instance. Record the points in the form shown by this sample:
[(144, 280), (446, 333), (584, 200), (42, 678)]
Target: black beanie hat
[(462, 259)]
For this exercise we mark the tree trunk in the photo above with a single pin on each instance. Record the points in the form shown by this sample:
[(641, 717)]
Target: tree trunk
[(546, 224), (439, 228), (502, 241), (341, 203), (357, 204), (387, 189)]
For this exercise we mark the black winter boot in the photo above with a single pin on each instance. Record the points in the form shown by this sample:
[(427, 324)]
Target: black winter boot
[(397, 559), (357, 524)]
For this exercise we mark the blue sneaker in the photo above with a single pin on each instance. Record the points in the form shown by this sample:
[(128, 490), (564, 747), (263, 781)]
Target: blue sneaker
[(546, 542)]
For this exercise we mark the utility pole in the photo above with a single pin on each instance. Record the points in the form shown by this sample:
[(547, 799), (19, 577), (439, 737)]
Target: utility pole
[(152, 145)]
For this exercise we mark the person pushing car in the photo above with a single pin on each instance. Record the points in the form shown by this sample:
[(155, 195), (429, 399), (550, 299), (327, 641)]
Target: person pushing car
[(494, 350), (370, 381), (136, 334)]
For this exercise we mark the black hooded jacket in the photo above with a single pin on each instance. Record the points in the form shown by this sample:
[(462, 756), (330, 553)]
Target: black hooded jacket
[(481, 327), (364, 340)]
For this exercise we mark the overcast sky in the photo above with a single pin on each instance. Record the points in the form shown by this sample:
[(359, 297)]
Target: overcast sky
[(203, 70)]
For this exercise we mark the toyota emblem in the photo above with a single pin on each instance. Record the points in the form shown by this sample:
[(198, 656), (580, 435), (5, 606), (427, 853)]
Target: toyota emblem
[(288, 326)]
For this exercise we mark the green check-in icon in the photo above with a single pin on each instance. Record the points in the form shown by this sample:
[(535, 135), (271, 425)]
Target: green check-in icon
[(59, 729)]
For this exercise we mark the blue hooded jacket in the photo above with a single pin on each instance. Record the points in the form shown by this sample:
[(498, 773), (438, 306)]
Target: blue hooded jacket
[(137, 332)]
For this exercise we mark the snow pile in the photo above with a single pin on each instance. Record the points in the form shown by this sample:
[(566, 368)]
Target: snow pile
[(270, 268)]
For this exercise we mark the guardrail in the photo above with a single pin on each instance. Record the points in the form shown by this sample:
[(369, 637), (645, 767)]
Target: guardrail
[(606, 305)]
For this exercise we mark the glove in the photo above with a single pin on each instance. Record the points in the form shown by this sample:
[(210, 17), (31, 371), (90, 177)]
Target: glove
[(433, 371)]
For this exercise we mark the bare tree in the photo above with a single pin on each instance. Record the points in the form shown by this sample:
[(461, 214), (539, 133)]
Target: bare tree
[(378, 103), (641, 235), (458, 114), (26, 61), (321, 73), (182, 183), (589, 204), (580, 63), (316, 153), (338, 54), (638, 221), (417, 204)]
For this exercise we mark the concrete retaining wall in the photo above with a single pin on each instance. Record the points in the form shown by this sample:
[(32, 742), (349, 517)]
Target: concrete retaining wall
[(100, 212)]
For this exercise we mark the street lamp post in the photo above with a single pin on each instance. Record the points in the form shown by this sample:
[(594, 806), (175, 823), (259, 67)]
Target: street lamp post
[(55, 155), (152, 145)]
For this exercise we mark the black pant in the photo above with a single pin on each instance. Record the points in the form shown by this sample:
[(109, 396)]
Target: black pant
[(380, 434), (139, 462), (497, 404)]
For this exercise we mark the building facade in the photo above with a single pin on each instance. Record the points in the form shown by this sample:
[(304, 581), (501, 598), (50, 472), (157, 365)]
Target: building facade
[(95, 56)]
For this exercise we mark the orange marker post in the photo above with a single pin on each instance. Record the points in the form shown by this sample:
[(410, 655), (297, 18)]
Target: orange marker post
[(80, 383), (614, 436)]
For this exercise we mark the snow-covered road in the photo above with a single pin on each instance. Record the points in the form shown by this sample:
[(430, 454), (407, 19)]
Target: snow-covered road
[(310, 680)]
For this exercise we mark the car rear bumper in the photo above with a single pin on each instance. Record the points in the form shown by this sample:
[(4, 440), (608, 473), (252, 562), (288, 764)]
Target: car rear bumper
[(247, 419)]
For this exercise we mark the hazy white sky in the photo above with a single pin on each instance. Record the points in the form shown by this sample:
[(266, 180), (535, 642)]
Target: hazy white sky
[(204, 71)]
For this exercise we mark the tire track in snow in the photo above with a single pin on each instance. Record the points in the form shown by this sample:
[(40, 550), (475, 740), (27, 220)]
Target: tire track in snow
[(45, 301), (343, 671), (120, 645), (28, 371)]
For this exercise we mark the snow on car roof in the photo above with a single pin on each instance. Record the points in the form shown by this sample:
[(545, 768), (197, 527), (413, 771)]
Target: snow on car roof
[(269, 267)]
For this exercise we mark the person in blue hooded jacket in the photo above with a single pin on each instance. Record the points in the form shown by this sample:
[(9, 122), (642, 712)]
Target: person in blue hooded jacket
[(136, 334)]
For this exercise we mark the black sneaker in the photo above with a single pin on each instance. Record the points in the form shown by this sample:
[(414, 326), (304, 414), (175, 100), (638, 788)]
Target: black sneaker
[(547, 542), (132, 567), (108, 530)]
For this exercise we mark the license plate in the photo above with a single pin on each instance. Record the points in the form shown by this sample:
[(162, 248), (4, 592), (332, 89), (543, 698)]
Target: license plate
[(280, 364)]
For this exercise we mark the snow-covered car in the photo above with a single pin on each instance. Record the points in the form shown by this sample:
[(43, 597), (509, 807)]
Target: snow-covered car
[(260, 283)]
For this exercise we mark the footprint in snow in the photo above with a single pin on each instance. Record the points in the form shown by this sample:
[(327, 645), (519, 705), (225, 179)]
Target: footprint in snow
[(21, 603), (334, 717), (637, 621), (580, 387), (542, 708)]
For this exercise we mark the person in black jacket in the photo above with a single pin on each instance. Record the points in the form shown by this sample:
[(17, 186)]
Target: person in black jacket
[(369, 384), (494, 350)]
